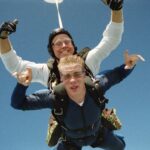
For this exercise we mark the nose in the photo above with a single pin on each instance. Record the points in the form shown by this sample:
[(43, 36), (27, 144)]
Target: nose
[(63, 44), (72, 79)]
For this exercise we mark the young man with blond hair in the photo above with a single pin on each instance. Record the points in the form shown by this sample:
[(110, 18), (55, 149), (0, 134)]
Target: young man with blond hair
[(81, 123)]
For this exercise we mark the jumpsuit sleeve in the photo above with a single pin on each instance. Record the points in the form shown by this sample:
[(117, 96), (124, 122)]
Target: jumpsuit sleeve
[(111, 39), (14, 63), (109, 78), (38, 100)]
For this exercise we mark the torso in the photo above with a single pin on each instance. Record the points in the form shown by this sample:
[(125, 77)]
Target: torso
[(78, 117)]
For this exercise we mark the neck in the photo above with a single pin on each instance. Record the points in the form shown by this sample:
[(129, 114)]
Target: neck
[(78, 97)]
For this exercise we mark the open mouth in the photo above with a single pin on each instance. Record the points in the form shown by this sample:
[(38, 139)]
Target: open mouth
[(74, 88)]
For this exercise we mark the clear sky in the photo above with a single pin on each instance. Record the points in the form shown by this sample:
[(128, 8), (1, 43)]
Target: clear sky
[(86, 20)]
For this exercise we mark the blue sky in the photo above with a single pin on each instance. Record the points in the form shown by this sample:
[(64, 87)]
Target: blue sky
[(86, 21)]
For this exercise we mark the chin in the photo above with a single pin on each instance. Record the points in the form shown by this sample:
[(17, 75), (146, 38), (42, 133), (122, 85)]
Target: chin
[(73, 91)]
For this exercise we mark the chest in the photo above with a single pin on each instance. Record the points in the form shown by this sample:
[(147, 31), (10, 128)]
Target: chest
[(78, 116)]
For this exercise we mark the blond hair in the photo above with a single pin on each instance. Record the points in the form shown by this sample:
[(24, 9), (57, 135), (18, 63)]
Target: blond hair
[(71, 59)]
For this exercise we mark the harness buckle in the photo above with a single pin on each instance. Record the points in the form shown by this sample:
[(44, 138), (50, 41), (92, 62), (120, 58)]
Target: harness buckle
[(58, 113)]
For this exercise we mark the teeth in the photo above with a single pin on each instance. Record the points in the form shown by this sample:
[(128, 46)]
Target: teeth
[(74, 87)]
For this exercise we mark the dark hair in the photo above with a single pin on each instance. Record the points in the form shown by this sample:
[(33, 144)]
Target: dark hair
[(51, 37)]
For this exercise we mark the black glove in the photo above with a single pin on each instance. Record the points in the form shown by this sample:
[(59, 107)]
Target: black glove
[(114, 4), (9, 27)]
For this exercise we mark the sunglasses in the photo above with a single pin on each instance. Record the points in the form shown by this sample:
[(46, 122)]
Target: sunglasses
[(75, 75)]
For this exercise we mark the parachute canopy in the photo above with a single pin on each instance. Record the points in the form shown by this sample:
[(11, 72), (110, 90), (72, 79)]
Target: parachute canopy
[(53, 1)]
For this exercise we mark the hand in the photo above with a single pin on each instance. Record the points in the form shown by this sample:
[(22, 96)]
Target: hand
[(114, 4), (7, 28), (131, 60), (24, 77)]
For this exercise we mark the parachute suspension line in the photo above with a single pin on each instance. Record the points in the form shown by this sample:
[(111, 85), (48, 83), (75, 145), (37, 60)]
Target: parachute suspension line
[(58, 13)]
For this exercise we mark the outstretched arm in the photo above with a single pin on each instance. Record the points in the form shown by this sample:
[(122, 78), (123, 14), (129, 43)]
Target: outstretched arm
[(38, 100), (111, 77), (111, 37)]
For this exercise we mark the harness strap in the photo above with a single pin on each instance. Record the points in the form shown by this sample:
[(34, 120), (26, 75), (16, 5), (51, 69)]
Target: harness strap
[(87, 128), (60, 104), (99, 135), (61, 99), (96, 91)]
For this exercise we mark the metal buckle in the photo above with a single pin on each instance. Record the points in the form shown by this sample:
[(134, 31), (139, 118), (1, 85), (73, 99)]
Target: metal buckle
[(58, 113)]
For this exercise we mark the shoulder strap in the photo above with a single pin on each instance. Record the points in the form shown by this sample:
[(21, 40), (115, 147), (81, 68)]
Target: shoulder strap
[(60, 104), (50, 63), (96, 91), (54, 77), (83, 53), (61, 99)]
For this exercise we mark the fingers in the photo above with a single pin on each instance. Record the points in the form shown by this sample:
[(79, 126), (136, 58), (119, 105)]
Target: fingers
[(29, 76), (12, 25), (9, 26), (114, 4), (131, 60), (24, 77)]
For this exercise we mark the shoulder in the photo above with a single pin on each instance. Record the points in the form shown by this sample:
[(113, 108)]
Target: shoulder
[(83, 52), (50, 63)]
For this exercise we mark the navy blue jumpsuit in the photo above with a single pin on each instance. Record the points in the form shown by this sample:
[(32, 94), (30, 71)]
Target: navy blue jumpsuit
[(77, 117)]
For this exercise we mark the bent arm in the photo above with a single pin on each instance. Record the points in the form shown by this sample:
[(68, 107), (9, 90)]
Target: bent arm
[(111, 39), (14, 63), (39, 100), (112, 77)]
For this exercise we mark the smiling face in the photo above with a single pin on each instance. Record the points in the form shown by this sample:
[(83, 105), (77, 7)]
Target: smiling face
[(62, 46)]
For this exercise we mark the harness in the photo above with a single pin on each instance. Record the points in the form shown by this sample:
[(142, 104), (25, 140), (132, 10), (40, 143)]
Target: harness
[(61, 99), (108, 117)]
